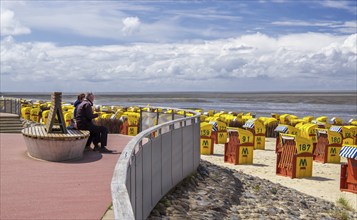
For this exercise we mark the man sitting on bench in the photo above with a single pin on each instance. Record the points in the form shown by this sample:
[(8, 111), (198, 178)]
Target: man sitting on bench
[(84, 117)]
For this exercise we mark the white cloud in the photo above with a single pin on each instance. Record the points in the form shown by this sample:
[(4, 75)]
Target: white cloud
[(349, 6), (336, 4), (312, 58), (112, 20), (10, 25), (308, 42), (302, 23), (131, 24), (90, 19), (351, 44), (348, 27)]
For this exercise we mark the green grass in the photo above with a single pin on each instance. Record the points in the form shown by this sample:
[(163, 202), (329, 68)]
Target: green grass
[(343, 202), (256, 188), (342, 215)]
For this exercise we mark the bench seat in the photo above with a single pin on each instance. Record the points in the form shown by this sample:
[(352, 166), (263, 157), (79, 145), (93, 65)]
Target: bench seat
[(55, 146), (40, 133)]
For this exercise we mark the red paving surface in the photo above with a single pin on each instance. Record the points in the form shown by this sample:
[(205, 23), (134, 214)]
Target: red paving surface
[(34, 189)]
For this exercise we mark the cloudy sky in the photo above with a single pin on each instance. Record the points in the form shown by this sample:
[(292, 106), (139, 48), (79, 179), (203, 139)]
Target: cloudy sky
[(137, 46)]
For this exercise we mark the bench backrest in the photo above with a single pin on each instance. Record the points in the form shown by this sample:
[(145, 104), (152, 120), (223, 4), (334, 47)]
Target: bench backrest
[(56, 109)]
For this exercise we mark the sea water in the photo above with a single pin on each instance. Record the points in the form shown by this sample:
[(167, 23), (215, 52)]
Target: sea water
[(330, 104)]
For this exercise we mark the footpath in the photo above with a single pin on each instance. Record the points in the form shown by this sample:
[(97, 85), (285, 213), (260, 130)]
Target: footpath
[(36, 189)]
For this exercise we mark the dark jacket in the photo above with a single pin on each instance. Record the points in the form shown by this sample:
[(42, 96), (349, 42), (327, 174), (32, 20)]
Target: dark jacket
[(85, 115), (76, 104)]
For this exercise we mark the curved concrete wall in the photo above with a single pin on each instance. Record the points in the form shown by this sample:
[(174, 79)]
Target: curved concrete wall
[(150, 166)]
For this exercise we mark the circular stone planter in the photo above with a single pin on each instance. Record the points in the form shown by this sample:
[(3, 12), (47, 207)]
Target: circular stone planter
[(55, 146)]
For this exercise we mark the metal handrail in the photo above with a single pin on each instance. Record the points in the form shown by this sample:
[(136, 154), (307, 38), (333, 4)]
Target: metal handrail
[(15, 105), (121, 199)]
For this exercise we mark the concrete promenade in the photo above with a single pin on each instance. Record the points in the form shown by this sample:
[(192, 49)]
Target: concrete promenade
[(35, 189)]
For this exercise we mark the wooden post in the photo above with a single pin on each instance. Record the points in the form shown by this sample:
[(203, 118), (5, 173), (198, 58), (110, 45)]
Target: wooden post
[(56, 109)]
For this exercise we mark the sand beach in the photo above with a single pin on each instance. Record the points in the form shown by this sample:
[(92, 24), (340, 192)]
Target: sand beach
[(324, 183), (221, 190)]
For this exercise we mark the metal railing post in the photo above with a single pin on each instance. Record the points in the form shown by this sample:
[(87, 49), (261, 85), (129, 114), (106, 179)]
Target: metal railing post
[(10, 105)]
